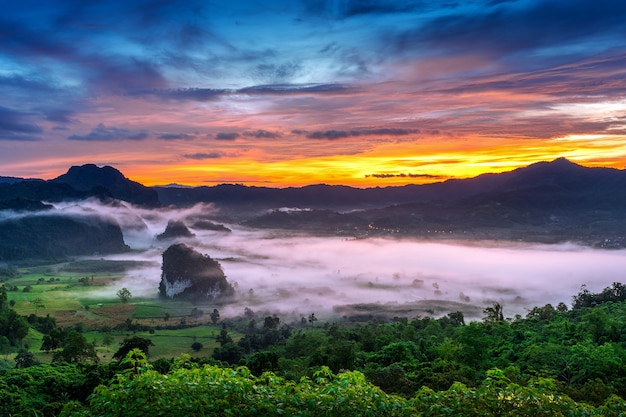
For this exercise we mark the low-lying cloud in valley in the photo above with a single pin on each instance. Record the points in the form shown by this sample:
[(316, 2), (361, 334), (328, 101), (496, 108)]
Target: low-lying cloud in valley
[(298, 275)]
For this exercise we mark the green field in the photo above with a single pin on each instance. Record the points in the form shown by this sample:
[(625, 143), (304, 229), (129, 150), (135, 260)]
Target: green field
[(73, 295)]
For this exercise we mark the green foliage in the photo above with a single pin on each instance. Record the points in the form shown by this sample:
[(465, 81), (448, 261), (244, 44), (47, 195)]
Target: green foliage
[(58, 236), (585, 298), (553, 362), (42, 390), (12, 326), (75, 348), (498, 396), (124, 294), (132, 343), (214, 391), (25, 359)]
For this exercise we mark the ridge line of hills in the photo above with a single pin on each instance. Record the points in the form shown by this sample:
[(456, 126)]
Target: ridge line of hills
[(107, 182), (546, 202)]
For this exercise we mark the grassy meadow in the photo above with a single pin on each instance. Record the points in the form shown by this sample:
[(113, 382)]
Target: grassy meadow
[(83, 295)]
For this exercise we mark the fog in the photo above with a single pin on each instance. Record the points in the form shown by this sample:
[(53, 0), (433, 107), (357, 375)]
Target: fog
[(295, 274)]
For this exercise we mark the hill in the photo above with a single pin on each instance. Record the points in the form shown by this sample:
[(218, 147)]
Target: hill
[(545, 202), (89, 177), (53, 236)]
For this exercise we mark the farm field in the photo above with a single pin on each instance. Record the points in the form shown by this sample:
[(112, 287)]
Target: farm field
[(83, 296)]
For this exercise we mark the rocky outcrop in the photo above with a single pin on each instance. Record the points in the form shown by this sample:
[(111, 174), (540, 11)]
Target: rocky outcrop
[(189, 274), (174, 229)]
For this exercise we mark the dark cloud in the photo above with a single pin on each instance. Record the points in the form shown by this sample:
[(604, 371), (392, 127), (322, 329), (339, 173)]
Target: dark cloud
[(204, 155), (427, 176), (122, 75), (227, 136), (277, 72), (210, 94), (364, 7), (340, 134), (196, 94), (329, 134), (175, 136), (279, 89), (16, 125), (265, 134), (599, 75), (508, 29), (20, 40), (59, 115), (22, 84), (103, 133)]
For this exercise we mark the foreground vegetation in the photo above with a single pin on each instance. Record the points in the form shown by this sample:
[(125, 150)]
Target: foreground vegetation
[(563, 360)]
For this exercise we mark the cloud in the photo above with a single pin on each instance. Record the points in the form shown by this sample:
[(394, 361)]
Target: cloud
[(227, 136), (284, 89), (175, 136), (265, 134), (15, 125), (204, 155), (210, 94), (508, 29), (120, 74), (19, 39), (103, 133), (340, 134), (59, 115), (277, 72), (403, 175), (195, 94)]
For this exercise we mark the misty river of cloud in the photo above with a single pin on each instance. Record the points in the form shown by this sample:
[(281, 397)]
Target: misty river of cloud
[(282, 273)]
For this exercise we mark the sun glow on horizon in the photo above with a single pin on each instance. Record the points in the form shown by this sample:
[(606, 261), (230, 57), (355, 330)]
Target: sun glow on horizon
[(390, 164)]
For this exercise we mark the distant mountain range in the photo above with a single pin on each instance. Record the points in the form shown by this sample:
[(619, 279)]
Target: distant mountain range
[(543, 202), (568, 179)]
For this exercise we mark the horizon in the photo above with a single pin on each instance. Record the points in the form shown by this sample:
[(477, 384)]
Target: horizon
[(174, 185), (288, 94)]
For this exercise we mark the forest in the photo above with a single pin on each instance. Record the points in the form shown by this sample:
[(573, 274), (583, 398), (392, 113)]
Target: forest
[(553, 361)]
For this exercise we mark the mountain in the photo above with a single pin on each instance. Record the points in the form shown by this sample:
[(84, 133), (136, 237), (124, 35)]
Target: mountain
[(56, 236), (10, 180), (559, 175), (40, 190), (545, 202), (88, 177)]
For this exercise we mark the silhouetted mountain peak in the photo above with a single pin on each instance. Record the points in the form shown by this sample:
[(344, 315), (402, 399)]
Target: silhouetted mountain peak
[(559, 164), (90, 176)]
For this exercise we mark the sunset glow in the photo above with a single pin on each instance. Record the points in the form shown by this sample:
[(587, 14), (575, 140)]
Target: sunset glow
[(366, 94)]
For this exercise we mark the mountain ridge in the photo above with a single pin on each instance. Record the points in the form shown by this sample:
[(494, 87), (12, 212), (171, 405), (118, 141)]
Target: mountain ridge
[(340, 197)]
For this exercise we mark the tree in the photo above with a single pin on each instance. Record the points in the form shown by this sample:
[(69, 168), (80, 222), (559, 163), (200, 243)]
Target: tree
[(134, 342), (52, 341), (456, 318), (196, 346), (124, 294), (38, 303), (107, 340), (215, 316), (25, 359), (13, 326), (494, 313), (3, 298), (76, 349), (5, 346), (224, 337)]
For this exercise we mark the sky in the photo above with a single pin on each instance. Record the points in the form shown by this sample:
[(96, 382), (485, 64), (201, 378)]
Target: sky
[(294, 92)]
